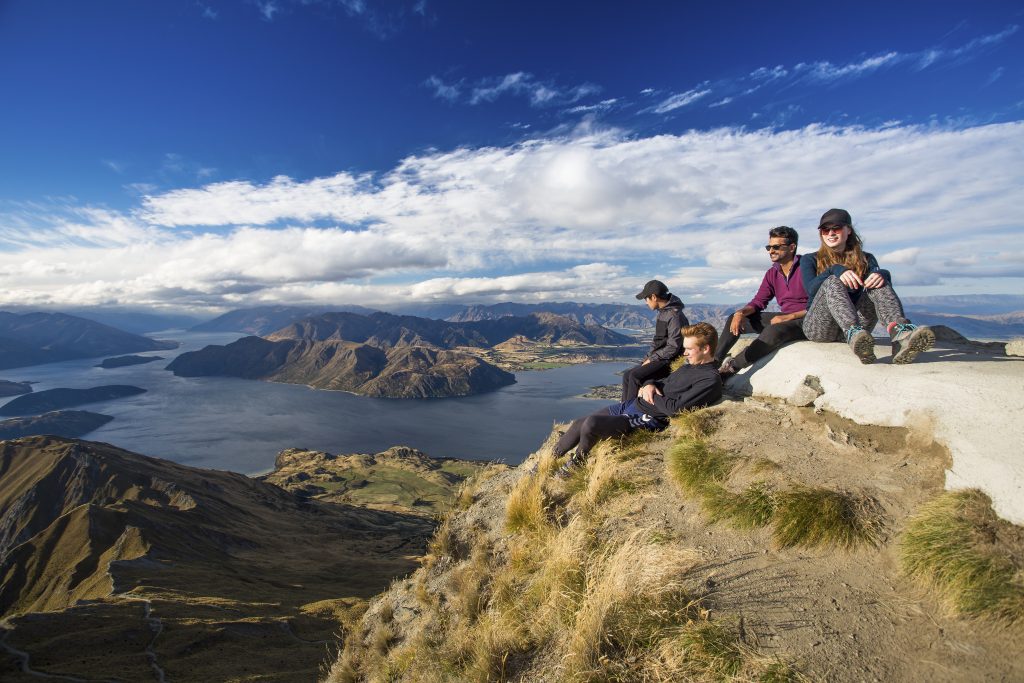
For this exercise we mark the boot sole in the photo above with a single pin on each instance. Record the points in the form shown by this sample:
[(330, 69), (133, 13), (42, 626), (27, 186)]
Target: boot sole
[(922, 339), (864, 348)]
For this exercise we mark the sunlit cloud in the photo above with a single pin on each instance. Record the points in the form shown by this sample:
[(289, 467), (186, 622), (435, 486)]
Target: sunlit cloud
[(586, 217)]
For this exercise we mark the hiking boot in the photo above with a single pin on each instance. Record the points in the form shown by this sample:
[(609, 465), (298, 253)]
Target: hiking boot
[(574, 461), (862, 343), (727, 369), (908, 340)]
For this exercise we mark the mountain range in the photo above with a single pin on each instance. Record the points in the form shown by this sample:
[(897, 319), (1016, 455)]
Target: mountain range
[(36, 338), (120, 566), (385, 355)]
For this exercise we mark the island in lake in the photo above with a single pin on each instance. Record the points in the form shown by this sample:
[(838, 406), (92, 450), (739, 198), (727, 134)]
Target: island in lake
[(56, 399), (124, 361)]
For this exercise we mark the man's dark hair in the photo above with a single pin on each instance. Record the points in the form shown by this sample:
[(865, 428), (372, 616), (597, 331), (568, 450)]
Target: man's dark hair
[(784, 231)]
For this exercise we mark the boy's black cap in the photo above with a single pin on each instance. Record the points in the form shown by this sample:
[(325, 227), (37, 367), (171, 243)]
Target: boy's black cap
[(656, 287), (835, 217)]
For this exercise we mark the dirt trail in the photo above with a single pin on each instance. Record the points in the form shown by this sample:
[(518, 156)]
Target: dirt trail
[(843, 615)]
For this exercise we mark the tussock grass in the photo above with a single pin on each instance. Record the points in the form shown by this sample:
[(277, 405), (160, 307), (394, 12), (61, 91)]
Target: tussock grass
[(957, 545), (800, 515), (696, 424), (755, 507), (698, 467), (528, 502), (808, 516), (636, 444)]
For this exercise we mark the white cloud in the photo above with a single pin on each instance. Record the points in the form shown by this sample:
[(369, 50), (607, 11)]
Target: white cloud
[(519, 84), (442, 90), (591, 215), (680, 100), (828, 72)]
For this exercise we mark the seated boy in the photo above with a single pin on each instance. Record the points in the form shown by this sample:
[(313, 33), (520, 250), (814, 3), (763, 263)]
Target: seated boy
[(694, 385)]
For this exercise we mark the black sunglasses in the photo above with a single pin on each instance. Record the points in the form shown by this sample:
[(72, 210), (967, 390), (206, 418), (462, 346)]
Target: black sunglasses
[(777, 247)]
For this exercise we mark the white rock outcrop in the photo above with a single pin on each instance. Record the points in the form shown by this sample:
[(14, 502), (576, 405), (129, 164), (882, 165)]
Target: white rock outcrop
[(968, 398)]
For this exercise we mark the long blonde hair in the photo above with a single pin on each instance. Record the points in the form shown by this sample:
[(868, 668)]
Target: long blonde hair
[(852, 257)]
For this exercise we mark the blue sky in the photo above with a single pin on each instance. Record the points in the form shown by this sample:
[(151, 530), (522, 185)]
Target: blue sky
[(201, 156)]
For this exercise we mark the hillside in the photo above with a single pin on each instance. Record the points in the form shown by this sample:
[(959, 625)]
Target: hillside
[(35, 338), (115, 565), (751, 541), (399, 479)]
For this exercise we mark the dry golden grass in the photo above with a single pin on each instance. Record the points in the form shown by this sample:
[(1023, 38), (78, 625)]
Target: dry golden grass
[(527, 506), (563, 601), (958, 546)]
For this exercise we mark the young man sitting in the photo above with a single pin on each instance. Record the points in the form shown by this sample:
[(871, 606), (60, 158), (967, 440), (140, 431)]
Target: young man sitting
[(783, 283), (667, 343), (694, 385)]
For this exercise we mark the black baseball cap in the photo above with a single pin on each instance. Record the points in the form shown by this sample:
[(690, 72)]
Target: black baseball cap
[(835, 217), (656, 287)]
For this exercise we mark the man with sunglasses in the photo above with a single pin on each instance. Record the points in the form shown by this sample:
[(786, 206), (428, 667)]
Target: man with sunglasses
[(783, 283)]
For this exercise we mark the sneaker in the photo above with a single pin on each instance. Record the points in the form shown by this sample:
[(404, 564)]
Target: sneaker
[(727, 369), (908, 340), (566, 470), (862, 343)]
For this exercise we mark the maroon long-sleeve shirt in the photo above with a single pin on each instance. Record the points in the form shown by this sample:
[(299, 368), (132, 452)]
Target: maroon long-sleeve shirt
[(788, 291)]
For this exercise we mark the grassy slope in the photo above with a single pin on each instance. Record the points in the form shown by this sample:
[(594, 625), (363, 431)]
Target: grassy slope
[(636, 568)]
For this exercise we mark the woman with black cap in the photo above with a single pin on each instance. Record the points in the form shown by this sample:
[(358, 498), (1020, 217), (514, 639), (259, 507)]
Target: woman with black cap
[(848, 294)]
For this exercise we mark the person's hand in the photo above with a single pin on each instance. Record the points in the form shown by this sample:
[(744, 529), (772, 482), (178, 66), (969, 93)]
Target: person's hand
[(736, 324), (784, 318), (851, 280), (646, 361), (874, 281), (648, 392)]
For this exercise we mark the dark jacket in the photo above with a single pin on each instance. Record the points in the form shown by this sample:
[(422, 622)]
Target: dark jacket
[(691, 386), (812, 281), (668, 336)]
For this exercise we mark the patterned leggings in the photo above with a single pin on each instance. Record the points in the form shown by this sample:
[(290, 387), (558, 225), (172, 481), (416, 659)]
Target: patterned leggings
[(833, 312)]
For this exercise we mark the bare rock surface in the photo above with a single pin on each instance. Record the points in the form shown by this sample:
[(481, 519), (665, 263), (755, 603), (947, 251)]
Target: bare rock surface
[(968, 396)]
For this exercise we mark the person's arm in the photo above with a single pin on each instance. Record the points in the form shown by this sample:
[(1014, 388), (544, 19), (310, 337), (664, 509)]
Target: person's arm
[(673, 340), (811, 279), (705, 390), (786, 317), (884, 277), (765, 293)]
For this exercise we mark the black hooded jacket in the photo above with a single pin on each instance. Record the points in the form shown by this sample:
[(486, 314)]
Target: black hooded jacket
[(668, 336)]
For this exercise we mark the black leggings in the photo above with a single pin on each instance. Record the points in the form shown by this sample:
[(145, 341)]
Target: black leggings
[(769, 338), (587, 431), (634, 378)]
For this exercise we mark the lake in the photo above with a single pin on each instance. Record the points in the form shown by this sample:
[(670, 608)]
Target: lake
[(240, 425)]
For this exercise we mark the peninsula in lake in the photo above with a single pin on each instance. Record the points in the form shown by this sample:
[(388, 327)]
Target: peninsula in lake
[(67, 423), (385, 355)]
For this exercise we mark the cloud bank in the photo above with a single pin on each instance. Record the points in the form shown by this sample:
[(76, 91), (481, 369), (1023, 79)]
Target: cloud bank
[(586, 218)]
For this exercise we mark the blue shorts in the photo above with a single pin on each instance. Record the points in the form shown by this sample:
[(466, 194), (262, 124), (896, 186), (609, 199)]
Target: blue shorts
[(638, 419)]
